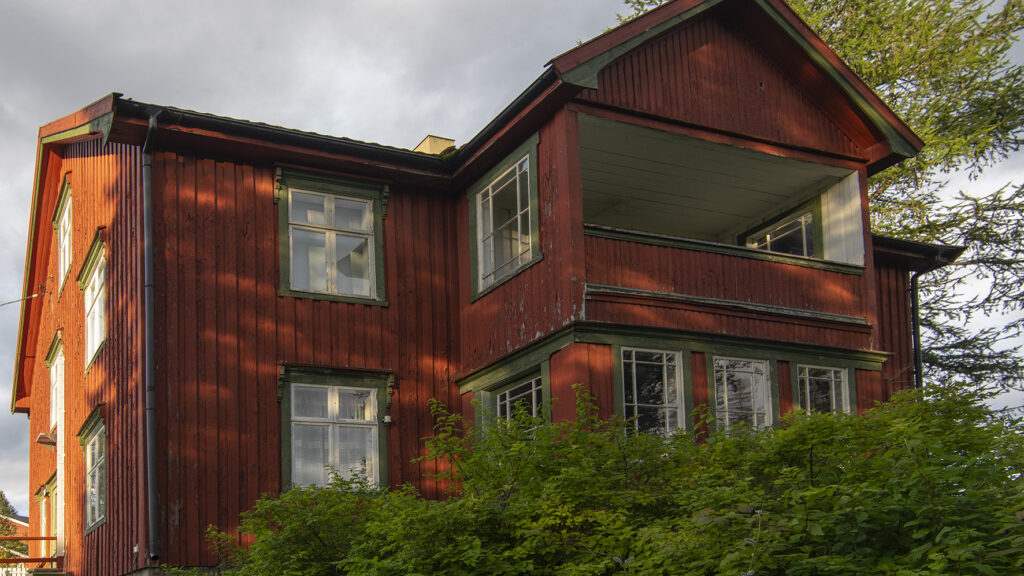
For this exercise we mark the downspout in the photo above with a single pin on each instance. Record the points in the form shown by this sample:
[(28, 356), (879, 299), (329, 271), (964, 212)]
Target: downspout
[(148, 314)]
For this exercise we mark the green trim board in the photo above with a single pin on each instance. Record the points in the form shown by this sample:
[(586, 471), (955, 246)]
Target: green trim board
[(382, 382), (92, 257), (65, 196), (374, 192), (598, 289), (515, 364), (56, 345), (527, 148), (667, 241), (92, 422)]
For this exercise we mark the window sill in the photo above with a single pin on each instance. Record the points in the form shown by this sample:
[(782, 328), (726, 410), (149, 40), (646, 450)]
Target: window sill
[(667, 241), (365, 300), (478, 294), (95, 525), (95, 356)]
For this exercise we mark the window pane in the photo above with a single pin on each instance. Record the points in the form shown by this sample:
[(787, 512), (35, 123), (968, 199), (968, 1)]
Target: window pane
[(309, 260), (650, 386), (307, 208), (353, 265), (352, 215), (355, 448), (356, 405), (788, 238), (741, 392), (527, 397), (628, 382), (504, 199), (310, 401), (310, 453), (652, 420)]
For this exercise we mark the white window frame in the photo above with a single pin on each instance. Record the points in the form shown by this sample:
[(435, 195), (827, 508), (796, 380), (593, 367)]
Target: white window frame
[(506, 402), (95, 446), (56, 383), (489, 271), (331, 233), (762, 239), (334, 422), (95, 301), (64, 238), (722, 397), (839, 395), (670, 382)]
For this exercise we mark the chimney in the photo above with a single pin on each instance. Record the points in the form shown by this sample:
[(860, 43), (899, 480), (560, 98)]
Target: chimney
[(435, 145)]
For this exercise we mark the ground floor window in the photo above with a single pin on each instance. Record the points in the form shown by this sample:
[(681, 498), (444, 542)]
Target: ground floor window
[(652, 390), (527, 396), (743, 392), (334, 426), (822, 389)]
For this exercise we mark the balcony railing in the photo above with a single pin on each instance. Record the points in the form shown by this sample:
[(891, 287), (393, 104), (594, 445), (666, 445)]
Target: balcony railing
[(19, 565)]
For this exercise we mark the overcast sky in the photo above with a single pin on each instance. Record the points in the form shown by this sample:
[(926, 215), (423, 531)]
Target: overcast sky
[(385, 71)]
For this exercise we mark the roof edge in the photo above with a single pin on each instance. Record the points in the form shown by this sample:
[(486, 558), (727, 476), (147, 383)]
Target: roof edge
[(922, 256)]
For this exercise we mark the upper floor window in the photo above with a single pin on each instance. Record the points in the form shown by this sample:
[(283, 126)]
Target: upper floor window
[(93, 282), (55, 361), (743, 392), (335, 426), (62, 224), (795, 234), (333, 233), (93, 437), (822, 389), (652, 392), (504, 218)]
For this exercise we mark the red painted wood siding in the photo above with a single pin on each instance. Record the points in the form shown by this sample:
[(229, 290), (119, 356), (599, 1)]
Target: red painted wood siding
[(704, 73), (592, 366), (105, 191), (223, 332), (548, 296), (895, 333)]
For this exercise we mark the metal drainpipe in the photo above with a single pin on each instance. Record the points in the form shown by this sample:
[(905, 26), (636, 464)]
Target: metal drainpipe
[(147, 251)]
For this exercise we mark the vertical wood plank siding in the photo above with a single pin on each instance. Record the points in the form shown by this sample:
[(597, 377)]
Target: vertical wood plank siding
[(105, 184), (703, 274), (223, 332), (894, 331), (706, 74), (547, 296)]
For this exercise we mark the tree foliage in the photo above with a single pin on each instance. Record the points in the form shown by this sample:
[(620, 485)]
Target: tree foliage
[(944, 67), (913, 487)]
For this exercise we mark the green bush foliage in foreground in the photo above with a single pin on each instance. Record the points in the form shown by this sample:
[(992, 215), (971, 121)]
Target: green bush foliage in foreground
[(914, 487)]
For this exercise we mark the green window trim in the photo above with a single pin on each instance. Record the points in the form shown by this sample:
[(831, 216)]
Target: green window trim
[(92, 257), (685, 375), (524, 150), (374, 192), (56, 345), (94, 426), (382, 383), (813, 207), (486, 397)]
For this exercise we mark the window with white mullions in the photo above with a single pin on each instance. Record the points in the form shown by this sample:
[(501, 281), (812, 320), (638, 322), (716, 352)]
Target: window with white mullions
[(331, 240), (333, 430), (652, 390), (505, 235), (822, 389), (95, 297), (793, 235), (95, 477), (743, 392), (528, 397), (63, 226)]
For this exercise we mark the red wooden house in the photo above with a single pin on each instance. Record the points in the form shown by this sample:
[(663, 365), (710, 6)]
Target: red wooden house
[(673, 214)]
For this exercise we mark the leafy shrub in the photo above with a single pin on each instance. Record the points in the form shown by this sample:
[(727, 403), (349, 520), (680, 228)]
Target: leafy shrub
[(916, 486)]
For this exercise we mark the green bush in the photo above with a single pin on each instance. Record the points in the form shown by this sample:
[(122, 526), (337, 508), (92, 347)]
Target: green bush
[(916, 486)]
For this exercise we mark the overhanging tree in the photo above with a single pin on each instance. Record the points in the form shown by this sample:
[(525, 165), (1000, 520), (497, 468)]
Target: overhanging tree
[(944, 66)]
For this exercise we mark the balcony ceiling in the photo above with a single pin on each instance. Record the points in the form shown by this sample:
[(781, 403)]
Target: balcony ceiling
[(644, 179)]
